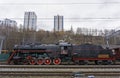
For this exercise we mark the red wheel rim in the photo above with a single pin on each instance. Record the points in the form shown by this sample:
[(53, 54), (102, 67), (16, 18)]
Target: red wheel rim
[(47, 61), (57, 61), (29, 57), (25, 63), (40, 61), (32, 62)]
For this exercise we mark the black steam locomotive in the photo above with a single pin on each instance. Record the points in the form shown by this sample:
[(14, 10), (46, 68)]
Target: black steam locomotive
[(60, 53)]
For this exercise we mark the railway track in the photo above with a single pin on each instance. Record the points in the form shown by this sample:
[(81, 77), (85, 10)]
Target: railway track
[(60, 70), (59, 66)]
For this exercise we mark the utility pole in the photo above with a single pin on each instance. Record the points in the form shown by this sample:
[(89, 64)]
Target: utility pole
[(1, 44)]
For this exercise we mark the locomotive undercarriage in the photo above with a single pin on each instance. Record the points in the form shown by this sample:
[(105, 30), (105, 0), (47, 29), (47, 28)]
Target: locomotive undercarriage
[(96, 62), (34, 59), (104, 62), (46, 59)]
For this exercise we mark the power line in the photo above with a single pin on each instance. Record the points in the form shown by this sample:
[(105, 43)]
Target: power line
[(69, 18), (73, 19), (87, 19), (59, 3)]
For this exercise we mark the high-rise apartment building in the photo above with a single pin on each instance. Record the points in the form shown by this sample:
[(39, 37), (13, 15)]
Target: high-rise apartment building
[(58, 23), (8, 22), (30, 21)]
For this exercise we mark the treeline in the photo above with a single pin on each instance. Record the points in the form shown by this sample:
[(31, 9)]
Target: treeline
[(15, 35)]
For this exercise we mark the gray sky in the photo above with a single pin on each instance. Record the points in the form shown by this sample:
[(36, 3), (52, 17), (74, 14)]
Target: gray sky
[(69, 9)]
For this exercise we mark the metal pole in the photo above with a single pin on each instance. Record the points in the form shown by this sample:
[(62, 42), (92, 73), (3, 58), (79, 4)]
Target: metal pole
[(108, 44), (1, 46)]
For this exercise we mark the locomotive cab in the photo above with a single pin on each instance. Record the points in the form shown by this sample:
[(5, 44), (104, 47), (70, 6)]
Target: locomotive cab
[(65, 51), (65, 48)]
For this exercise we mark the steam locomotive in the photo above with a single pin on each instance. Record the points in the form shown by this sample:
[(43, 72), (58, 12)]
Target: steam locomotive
[(47, 54)]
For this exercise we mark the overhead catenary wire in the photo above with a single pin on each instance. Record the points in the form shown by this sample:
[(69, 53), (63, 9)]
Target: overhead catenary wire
[(77, 3), (74, 18), (64, 3), (72, 3), (87, 19)]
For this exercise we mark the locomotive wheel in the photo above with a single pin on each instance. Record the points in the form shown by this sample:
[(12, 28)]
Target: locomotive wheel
[(110, 62), (11, 62), (76, 62), (95, 62), (56, 61), (29, 57), (86, 62), (82, 62), (99, 62), (47, 61), (32, 62), (25, 62), (16, 62), (40, 61)]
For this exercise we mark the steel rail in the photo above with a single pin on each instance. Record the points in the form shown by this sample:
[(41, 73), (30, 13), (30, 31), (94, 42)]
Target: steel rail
[(58, 73), (60, 66), (60, 70)]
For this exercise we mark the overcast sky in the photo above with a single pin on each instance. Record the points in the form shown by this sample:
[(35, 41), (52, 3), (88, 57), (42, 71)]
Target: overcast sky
[(73, 11)]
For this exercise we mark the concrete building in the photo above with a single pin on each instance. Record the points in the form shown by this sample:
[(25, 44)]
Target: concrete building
[(8, 22), (30, 21), (58, 23)]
